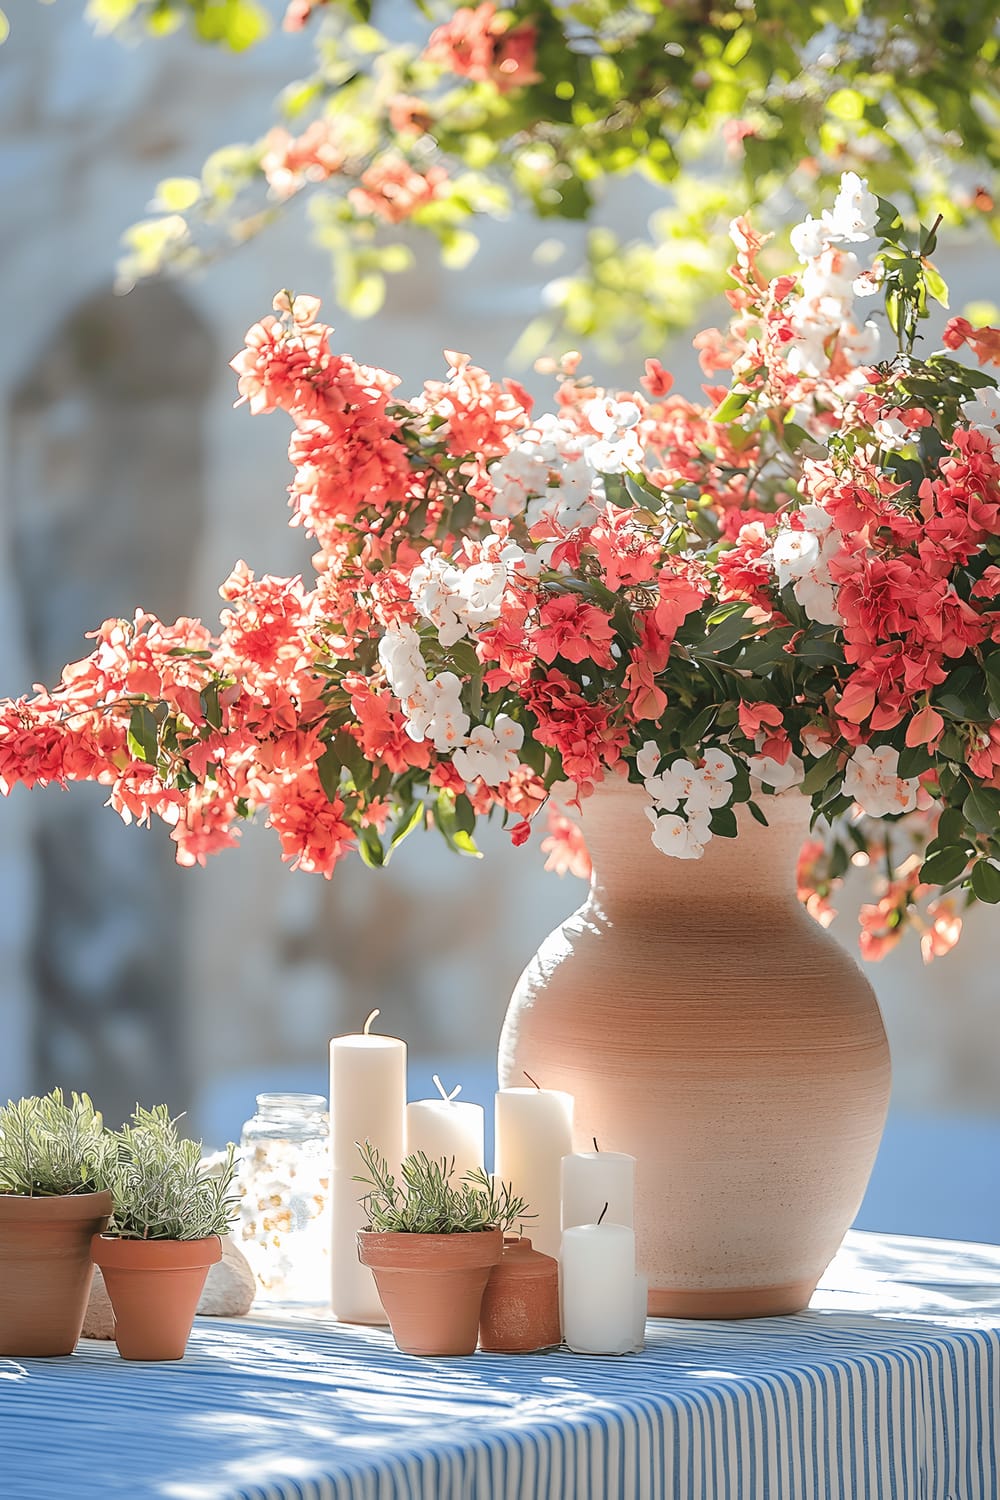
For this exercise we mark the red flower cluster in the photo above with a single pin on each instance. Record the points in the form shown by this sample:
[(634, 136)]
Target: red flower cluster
[(797, 587)]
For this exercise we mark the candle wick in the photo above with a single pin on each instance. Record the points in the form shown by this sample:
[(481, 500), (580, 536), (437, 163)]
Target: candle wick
[(442, 1091), (369, 1021), (531, 1080), (603, 1212), (596, 1146)]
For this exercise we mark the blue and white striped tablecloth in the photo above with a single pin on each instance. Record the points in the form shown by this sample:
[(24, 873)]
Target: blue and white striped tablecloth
[(887, 1389)]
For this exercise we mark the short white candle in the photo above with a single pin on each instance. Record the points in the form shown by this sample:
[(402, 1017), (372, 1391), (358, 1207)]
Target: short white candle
[(367, 1101), (641, 1300), (597, 1288), (447, 1127), (590, 1177), (534, 1131)]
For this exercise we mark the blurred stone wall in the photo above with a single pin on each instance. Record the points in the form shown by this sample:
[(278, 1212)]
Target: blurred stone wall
[(126, 478)]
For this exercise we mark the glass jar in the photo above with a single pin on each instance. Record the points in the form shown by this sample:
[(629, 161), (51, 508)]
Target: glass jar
[(284, 1215)]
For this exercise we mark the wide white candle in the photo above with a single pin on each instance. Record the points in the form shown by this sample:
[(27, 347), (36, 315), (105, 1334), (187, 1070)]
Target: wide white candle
[(597, 1288), (449, 1128), (590, 1178), (534, 1131), (641, 1300), (367, 1102)]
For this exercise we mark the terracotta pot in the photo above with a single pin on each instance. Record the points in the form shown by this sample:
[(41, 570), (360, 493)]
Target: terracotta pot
[(707, 1025), (520, 1309), (46, 1270), (154, 1286), (432, 1286)]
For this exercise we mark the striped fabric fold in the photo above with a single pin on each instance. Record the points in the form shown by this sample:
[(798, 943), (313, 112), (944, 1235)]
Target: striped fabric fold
[(887, 1389)]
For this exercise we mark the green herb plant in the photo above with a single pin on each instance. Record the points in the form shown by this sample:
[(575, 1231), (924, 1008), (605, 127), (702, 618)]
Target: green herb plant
[(161, 1189), (426, 1202), (49, 1149)]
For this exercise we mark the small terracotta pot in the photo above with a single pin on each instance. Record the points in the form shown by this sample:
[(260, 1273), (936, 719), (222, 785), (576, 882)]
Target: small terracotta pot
[(520, 1309), (432, 1285), (154, 1286), (46, 1270)]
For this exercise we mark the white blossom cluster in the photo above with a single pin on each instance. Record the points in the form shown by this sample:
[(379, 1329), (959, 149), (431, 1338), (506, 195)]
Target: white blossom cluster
[(872, 778), (432, 707), (779, 775), (801, 556), (546, 473), (684, 831), (459, 600), (832, 278), (983, 415), (555, 470)]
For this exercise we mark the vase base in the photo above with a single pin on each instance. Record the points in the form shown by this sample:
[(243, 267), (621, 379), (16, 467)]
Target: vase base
[(723, 1303)]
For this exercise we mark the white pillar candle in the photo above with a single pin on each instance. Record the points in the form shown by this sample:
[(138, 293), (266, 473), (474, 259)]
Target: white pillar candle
[(641, 1300), (367, 1102), (597, 1289), (534, 1131), (590, 1178), (447, 1128)]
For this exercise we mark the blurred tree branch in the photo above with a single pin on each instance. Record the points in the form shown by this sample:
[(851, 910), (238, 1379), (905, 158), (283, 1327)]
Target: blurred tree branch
[(543, 104)]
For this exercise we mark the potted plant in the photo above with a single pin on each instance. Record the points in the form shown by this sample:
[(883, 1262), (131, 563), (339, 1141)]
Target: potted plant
[(51, 1204), (168, 1215), (755, 632), (431, 1247)]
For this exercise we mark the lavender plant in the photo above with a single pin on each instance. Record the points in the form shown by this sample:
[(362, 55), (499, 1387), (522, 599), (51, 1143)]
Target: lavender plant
[(50, 1148), (426, 1202), (162, 1190)]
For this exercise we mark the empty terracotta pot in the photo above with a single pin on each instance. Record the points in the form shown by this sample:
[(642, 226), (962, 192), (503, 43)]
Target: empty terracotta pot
[(46, 1270), (154, 1286), (708, 1026), (520, 1309), (432, 1285)]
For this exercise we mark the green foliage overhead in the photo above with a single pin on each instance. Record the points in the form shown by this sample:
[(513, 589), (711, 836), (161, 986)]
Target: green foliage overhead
[(161, 1188), (49, 1148), (426, 1202), (718, 105)]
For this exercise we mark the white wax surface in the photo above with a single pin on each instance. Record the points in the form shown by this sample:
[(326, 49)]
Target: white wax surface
[(447, 1128), (641, 1299), (534, 1131), (592, 1178), (597, 1284), (367, 1103), (354, 1296)]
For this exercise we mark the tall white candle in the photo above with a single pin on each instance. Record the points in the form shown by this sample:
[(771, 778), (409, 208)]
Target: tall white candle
[(534, 1131), (449, 1128), (367, 1102), (597, 1289), (590, 1178)]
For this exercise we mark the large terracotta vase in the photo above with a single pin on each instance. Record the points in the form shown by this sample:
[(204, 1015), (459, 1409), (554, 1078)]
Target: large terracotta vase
[(707, 1025)]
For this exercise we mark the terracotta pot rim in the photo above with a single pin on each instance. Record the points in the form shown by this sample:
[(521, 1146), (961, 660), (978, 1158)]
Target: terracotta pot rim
[(18, 1207), (117, 1253), (429, 1252)]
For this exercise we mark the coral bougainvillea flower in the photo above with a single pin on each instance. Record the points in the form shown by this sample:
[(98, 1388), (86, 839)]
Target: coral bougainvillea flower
[(792, 586)]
